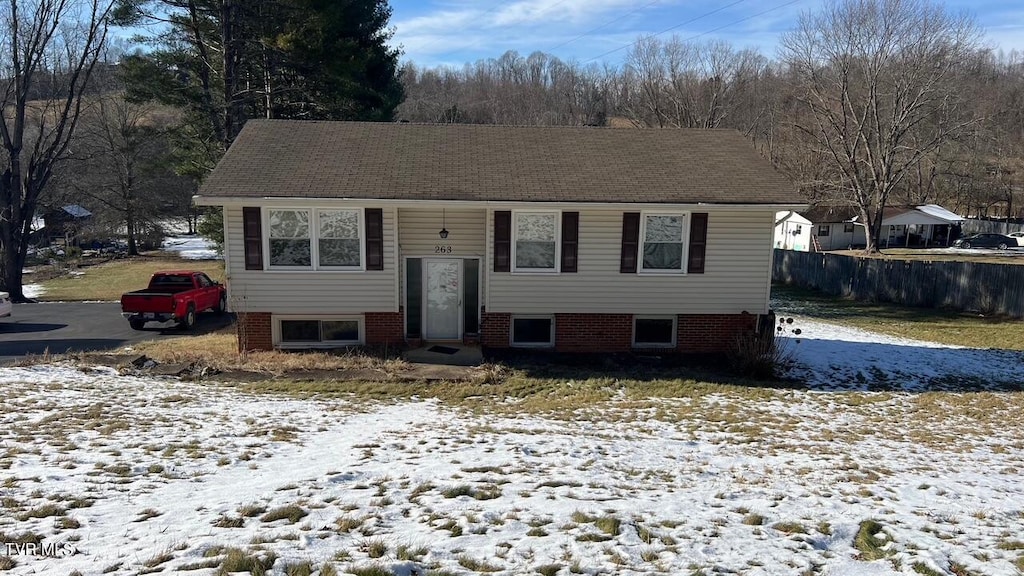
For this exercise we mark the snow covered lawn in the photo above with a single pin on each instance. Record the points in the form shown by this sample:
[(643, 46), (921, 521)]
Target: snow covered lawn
[(147, 475)]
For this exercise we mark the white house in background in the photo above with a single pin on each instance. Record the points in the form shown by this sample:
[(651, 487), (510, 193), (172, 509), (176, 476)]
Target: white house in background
[(839, 227), (792, 231)]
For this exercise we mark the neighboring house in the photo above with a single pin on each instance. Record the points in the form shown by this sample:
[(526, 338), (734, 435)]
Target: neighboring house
[(839, 227), (792, 231), (66, 222), (577, 239)]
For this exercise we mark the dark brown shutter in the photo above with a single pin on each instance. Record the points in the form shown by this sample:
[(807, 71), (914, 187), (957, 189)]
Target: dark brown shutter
[(374, 239), (502, 241), (252, 231), (698, 242), (630, 242), (570, 240)]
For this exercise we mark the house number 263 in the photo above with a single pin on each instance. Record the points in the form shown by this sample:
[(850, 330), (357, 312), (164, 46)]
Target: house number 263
[(442, 249)]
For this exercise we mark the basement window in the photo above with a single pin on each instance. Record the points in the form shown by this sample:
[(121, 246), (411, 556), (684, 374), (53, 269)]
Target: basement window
[(536, 331), (318, 332), (654, 332)]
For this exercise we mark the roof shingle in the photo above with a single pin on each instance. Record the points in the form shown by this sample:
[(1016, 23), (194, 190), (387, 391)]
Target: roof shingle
[(301, 159)]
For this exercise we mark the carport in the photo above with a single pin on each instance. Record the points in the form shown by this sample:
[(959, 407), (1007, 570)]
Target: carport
[(926, 225)]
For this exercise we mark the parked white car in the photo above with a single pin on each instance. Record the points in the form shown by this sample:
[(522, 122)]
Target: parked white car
[(5, 305), (1018, 236)]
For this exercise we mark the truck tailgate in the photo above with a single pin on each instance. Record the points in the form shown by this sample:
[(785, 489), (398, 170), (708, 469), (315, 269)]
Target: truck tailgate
[(153, 302)]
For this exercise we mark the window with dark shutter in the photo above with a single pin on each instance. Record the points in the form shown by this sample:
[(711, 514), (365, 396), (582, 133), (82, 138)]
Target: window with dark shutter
[(252, 232), (630, 240), (570, 240), (374, 239), (698, 242), (502, 241)]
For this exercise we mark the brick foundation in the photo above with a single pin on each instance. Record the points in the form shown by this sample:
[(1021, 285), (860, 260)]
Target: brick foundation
[(593, 332), (611, 333), (254, 331), (703, 333), (495, 329), (384, 328)]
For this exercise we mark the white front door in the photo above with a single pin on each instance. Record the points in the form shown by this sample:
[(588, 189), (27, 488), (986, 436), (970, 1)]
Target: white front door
[(442, 309)]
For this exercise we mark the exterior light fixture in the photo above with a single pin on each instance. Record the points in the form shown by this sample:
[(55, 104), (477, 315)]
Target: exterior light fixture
[(444, 229)]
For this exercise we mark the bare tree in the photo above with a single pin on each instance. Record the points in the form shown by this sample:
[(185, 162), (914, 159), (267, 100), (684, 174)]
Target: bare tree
[(47, 56), (880, 81), (123, 161)]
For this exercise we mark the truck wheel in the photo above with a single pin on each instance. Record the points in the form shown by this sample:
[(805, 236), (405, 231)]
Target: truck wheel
[(222, 305), (137, 324), (189, 320)]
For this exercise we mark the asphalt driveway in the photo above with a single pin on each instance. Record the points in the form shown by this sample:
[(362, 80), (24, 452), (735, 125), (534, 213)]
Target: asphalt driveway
[(62, 327)]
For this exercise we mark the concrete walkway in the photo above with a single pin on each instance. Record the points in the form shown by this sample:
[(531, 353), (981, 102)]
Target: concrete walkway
[(445, 354)]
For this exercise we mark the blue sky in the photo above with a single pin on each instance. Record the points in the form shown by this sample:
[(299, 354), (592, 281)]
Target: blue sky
[(453, 32)]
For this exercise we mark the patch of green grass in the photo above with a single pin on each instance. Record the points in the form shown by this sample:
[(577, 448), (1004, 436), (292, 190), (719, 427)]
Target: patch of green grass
[(934, 325), (376, 548), (548, 569), (226, 521), (867, 542), (610, 525), (292, 513), (109, 280), (790, 527), (409, 553), (251, 510), (237, 560), (486, 492), (43, 511), (921, 568), (147, 514), (476, 565), (753, 519), (161, 558), (1010, 545)]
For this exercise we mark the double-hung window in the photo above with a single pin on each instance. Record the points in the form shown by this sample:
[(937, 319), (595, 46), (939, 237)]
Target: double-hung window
[(315, 239), (535, 241), (290, 238), (664, 237), (339, 239)]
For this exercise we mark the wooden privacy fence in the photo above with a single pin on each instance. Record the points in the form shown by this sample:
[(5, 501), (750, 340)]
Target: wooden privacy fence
[(985, 288)]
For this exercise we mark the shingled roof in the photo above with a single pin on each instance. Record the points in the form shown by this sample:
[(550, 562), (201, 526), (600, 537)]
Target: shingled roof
[(400, 161)]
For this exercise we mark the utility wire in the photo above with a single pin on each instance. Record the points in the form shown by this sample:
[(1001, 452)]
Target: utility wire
[(705, 33)]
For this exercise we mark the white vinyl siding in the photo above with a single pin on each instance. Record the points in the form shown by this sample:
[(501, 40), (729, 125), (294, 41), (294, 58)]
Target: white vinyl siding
[(305, 291), (418, 233), (735, 278)]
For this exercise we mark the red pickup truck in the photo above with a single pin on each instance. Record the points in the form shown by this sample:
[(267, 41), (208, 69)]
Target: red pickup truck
[(173, 295)]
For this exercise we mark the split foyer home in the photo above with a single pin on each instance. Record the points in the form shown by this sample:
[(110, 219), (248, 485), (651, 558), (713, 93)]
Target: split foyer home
[(578, 239)]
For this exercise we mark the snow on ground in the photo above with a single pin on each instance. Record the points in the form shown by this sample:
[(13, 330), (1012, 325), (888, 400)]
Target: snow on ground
[(144, 474), (830, 356), (33, 290), (190, 247)]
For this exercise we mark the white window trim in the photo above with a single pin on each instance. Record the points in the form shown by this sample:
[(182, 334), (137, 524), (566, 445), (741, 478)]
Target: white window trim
[(512, 331), (558, 242), (278, 343), (314, 240), (685, 242), (361, 233), (675, 331)]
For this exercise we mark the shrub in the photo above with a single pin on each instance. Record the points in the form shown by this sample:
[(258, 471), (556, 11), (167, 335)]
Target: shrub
[(764, 354)]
